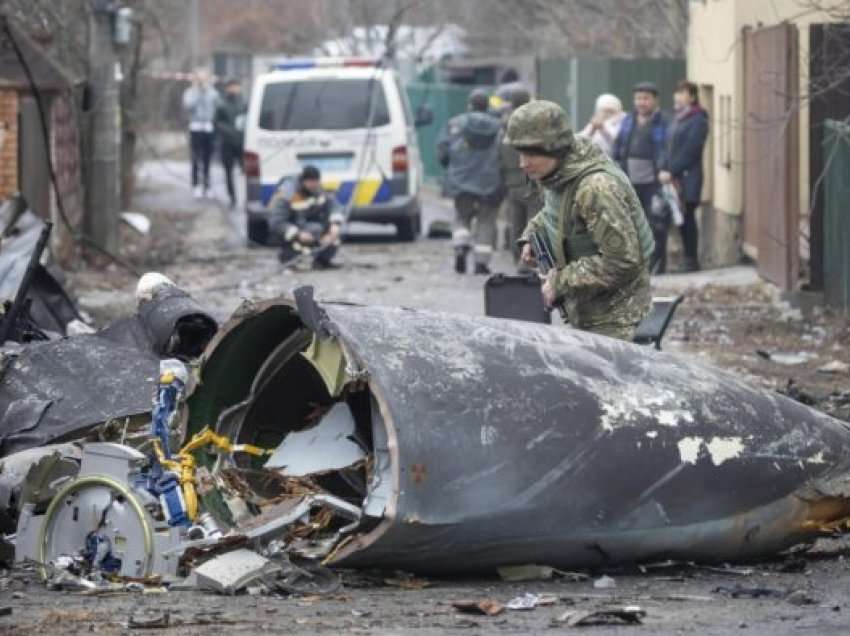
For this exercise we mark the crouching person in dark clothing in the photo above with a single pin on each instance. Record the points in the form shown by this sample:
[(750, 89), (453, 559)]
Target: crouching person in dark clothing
[(306, 220)]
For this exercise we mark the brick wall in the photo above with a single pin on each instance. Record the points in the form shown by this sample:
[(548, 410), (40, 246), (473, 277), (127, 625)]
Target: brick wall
[(9, 145)]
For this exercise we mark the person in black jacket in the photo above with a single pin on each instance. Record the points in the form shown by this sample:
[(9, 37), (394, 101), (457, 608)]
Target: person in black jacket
[(682, 163), (230, 124), (639, 149)]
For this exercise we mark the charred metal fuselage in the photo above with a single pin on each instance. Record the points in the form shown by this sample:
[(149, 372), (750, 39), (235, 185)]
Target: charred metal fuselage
[(497, 442)]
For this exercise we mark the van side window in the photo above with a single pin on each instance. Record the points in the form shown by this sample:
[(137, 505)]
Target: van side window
[(329, 104)]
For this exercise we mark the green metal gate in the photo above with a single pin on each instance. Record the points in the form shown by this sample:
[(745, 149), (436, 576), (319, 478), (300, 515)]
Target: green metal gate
[(446, 100), (836, 221)]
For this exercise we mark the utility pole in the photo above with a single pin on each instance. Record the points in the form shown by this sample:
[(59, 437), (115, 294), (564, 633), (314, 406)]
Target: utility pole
[(103, 185), (194, 32)]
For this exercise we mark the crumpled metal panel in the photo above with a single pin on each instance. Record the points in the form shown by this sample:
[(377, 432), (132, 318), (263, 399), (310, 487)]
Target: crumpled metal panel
[(51, 308), (58, 390), (518, 443)]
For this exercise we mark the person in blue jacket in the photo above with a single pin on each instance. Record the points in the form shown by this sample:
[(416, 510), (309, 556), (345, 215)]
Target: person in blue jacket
[(468, 150), (639, 149), (682, 164)]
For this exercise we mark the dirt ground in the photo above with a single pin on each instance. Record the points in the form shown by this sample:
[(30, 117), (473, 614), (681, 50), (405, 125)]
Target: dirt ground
[(791, 596), (726, 319)]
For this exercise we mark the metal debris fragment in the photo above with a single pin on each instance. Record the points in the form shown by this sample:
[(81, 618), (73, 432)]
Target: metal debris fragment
[(529, 601), (233, 571)]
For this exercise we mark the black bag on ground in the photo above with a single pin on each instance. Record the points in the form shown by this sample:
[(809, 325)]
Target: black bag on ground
[(515, 296)]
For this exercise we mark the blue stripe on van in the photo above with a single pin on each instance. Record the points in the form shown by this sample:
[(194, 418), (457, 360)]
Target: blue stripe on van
[(384, 193), (346, 189)]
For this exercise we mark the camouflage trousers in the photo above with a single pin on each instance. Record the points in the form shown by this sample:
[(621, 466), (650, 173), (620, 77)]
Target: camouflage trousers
[(482, 236)]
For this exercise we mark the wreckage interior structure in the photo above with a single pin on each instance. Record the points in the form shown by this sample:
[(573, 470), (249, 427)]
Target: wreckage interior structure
[(293, 393)]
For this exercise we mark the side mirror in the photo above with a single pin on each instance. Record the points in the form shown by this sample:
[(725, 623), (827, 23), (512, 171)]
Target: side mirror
[(424, 116)]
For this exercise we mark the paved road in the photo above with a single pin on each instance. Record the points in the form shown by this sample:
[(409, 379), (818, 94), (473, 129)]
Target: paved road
[(219, 268)]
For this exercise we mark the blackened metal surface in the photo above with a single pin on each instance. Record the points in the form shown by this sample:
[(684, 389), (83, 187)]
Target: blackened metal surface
[(58, 390), (520, 443), (51, 308)]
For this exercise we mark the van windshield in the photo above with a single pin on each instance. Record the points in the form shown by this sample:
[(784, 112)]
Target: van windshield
[(330, 104)]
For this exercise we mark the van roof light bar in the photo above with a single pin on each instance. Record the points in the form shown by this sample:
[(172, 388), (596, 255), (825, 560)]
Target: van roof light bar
[(326, 62)]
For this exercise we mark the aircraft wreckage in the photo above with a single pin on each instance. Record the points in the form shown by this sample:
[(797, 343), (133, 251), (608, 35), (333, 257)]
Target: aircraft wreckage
[(440, 443)]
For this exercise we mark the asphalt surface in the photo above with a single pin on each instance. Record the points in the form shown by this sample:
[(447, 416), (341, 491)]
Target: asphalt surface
[(201, 245)]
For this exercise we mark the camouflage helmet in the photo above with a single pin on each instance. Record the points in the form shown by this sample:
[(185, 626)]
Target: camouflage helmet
[(539, 125)]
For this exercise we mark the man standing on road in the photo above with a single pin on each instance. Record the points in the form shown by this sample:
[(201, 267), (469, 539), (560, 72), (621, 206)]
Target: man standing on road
[(468, 149), (639, 149), (592, 222), (230, 124), (306, 220), (200, 101), (523, 197)]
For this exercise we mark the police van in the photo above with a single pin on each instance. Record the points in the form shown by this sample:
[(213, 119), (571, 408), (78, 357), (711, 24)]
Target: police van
[(351, 119)]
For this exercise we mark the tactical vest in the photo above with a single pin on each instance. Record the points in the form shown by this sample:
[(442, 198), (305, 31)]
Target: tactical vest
[(578, 244)]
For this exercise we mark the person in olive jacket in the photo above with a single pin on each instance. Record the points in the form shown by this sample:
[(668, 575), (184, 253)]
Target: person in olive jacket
[(682, 164)]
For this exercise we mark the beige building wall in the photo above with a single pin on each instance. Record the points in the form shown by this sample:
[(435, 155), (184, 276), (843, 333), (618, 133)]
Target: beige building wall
[(715, 58)]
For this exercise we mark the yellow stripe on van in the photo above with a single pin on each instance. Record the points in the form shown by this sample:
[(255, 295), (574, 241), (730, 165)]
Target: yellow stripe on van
[(365, 192)]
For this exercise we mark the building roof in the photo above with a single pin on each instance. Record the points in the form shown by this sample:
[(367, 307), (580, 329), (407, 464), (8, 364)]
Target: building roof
[(47, 73)]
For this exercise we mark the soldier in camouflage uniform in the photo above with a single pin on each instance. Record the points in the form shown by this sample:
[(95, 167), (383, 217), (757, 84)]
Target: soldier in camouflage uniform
[(591, 219)]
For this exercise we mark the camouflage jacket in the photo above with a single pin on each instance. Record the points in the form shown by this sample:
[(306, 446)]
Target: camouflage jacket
[(606, 290)]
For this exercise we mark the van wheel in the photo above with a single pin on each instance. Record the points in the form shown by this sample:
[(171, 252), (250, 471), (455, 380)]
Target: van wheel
[(408, 229)]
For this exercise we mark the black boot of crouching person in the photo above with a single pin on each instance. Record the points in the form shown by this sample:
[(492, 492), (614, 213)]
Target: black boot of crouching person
[(461, 256), (323, 257)]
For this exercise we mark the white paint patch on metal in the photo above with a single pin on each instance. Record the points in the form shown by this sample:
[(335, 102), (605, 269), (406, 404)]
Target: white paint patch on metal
[(718, 449)]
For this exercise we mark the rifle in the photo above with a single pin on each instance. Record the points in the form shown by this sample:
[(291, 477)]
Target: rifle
[(545, 263)]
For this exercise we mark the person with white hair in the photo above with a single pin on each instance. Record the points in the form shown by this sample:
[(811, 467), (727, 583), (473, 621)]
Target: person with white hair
[(603, 127)]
